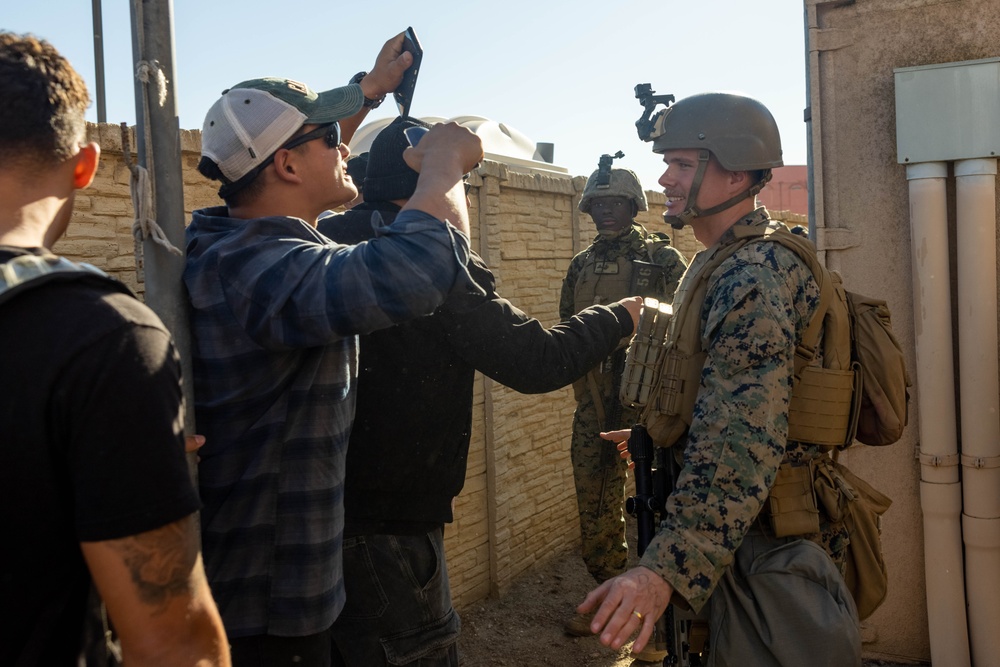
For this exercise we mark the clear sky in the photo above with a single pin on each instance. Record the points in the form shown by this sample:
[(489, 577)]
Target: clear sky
[(559, 72)]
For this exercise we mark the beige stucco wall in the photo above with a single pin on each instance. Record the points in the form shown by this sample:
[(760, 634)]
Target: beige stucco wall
[(861, 193), (518, 506)]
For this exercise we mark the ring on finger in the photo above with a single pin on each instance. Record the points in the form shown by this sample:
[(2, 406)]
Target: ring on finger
[(637, 615)]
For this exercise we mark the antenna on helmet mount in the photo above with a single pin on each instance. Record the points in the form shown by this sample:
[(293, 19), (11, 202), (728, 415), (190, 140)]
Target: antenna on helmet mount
[(646, 125)]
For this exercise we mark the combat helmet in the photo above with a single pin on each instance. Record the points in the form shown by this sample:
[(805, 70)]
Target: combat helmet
[(622, 183), (739, 131)]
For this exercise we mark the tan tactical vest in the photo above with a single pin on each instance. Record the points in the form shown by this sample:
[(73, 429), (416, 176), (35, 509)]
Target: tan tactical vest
[(605, 281), (823, 397), (602, 282)]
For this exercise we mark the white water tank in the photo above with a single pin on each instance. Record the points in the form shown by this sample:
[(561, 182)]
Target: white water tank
[(501, 143)]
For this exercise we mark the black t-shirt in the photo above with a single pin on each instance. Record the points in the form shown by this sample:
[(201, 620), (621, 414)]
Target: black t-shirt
[(403, 472), (91, 449)]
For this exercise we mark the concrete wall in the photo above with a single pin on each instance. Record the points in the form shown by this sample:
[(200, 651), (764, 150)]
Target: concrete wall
[(518, 506), (101, 230), (861, 195)]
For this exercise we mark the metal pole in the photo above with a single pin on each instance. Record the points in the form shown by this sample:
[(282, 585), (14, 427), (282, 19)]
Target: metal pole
[(159, 151), (807, 117), (102, 115)]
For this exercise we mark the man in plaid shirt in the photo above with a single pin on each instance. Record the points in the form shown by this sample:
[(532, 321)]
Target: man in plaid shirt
[(276, 308)]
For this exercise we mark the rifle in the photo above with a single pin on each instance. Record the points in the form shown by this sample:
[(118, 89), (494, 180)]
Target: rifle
[(612, 420), (653, 485)]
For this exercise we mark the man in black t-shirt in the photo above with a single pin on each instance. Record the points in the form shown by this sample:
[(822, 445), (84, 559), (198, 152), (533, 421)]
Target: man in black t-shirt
[(404, 473), (94, 484)]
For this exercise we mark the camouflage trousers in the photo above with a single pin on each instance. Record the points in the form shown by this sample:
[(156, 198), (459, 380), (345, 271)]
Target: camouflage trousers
[(600, 476)]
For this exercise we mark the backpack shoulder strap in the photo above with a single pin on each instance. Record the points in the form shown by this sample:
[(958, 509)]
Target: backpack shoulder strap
[(654, 241), (807, 348), (25, 272)]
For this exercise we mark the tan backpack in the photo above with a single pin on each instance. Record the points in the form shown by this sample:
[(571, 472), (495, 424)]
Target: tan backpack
[(859, 391)]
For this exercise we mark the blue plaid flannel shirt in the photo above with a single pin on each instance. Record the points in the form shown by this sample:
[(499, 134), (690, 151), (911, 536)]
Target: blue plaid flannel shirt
[(276, 307)]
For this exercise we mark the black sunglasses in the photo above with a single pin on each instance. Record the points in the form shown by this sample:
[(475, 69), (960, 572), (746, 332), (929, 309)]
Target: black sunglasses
[(331, 133)]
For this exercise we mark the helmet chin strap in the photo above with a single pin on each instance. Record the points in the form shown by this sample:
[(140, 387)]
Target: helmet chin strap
[(687, 216)]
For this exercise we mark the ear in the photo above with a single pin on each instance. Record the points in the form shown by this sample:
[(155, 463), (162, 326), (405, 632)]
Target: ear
[(85, 166), (286, 166), (739, 180)]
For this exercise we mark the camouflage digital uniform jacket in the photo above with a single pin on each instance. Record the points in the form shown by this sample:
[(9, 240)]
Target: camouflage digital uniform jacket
[(631, 243), (598, 473), (634, 245), (758, 303)]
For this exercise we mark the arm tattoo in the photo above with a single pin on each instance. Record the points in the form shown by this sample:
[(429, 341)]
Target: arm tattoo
[(160, 562)]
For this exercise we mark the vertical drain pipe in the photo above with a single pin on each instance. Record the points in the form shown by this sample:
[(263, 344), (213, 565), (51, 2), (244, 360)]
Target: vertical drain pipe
[(940, 487), (980, 390)]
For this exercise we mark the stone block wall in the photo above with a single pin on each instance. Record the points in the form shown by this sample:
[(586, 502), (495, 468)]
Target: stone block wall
[(101, 229), (518, 506)]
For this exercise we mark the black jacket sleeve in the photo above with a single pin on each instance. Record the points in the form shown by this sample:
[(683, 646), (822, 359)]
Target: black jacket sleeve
[(504, 343)]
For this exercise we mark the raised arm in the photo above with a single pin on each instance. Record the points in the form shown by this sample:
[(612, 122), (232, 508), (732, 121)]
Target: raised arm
[(383, 78), (446, 153), (157, 597)]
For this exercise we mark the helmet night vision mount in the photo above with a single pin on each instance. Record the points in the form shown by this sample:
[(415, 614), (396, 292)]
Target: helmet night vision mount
[(604, 169), (650, 125)]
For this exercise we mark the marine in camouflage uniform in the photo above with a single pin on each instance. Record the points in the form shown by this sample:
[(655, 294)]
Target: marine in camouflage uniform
[(624, 260), (769, 601), (757, 301)]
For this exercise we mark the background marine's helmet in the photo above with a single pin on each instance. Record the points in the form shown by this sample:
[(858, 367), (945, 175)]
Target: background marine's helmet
[(624, 183)]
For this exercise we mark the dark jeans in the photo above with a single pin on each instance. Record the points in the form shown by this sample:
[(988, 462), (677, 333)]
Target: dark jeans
[(398, 608), (270, 651)]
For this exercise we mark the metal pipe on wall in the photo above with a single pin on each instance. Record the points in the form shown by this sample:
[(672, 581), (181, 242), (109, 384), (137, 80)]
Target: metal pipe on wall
[(940, 487), (979, 373), (807, 119)]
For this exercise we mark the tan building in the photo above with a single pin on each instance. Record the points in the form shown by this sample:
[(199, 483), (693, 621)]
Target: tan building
[(905, 116), (788, 190)]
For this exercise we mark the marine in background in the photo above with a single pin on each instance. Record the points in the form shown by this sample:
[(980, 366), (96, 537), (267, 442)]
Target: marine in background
[(624, 259)]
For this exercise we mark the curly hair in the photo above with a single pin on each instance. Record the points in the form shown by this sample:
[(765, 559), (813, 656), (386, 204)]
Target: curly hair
[(44, 100)]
